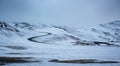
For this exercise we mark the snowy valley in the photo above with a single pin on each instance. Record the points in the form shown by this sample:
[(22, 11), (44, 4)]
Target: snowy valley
[(23, 44)]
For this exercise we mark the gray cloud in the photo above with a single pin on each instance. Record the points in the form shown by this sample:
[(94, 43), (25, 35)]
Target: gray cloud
[(61, 12)]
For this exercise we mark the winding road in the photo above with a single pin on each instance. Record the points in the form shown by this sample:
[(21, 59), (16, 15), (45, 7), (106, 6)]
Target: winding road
[(32, 38)]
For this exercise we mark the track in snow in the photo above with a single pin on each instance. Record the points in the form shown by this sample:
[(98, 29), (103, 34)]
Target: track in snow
[(32, 38)]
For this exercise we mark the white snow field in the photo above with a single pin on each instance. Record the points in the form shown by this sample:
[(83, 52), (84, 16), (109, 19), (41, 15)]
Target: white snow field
[(24, 44)]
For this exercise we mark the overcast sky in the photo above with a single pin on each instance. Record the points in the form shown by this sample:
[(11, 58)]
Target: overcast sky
[(60, 12)]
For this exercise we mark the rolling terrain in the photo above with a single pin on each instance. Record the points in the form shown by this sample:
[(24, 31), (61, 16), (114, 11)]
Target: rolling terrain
[(23, 44)]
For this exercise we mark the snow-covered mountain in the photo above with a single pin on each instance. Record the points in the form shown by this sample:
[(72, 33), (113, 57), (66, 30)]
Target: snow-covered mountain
[(109, 31), (22, 42), (103, 33), (7, 27)]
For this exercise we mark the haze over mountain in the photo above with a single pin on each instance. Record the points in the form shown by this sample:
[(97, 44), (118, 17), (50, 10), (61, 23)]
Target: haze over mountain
[(61, 12)]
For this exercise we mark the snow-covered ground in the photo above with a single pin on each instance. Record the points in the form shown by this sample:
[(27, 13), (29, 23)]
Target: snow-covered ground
[(44, 43), (45, 52)]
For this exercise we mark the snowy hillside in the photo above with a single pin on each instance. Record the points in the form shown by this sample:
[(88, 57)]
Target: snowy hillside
[(109, 31), (23, 41), (102, 34)]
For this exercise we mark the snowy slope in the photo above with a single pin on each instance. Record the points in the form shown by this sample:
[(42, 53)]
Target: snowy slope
[(109, 31), (44, 43), (101, 33)]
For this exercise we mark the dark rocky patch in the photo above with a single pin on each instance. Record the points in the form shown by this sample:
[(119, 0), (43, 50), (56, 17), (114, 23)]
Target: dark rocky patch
[(95, 43), (6, 60), (72, 37), (61, 27), (24, 53), (6, 26), (16, 47), (25, 25), (83, 61)]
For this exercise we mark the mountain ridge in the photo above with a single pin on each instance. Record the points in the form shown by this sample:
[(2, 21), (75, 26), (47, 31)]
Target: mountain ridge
[(102, 33)]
